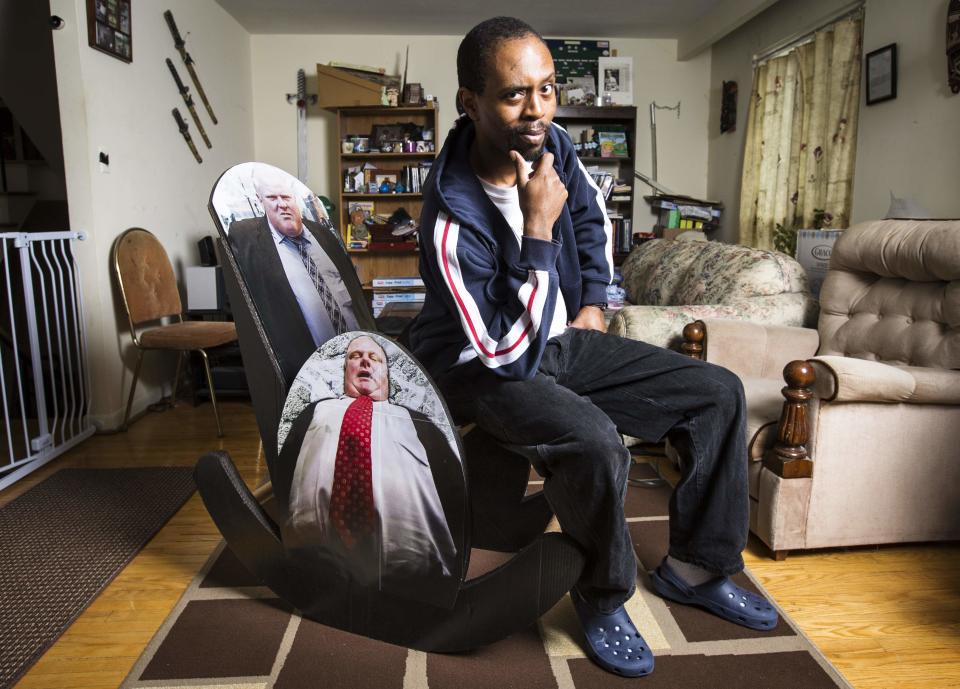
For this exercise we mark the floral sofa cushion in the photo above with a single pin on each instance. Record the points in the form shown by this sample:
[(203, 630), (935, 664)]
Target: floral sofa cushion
[(665, 273), (672, 283)]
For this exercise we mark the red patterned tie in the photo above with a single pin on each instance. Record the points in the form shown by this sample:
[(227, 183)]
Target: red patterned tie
[(351, 500)]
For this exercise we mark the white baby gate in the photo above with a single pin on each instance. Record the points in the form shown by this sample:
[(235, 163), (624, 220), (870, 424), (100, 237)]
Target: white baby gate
[(44, 377)]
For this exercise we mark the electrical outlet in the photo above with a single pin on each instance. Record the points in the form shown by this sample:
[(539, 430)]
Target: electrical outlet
[(104, 163)]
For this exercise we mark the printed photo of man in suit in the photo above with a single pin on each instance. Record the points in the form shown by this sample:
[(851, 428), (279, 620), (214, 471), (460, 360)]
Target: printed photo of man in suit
[(293, 269), (376, 485)]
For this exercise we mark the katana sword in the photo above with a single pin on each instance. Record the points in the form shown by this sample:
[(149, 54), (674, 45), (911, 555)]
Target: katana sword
[(188, 99), (181, 47), (301, 98), (186, 134)]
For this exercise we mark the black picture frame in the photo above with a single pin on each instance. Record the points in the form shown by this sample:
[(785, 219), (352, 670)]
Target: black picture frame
[(728, 107), (880, 74), (109, 28)]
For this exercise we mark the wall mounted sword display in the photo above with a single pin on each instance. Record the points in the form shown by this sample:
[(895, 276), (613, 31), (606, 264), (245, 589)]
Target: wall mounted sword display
[(188, 99), (181, 47), (182, 126), (302, 98)]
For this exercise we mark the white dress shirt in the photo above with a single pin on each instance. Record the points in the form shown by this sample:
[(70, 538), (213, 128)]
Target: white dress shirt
[(413, 528), (311, 305)]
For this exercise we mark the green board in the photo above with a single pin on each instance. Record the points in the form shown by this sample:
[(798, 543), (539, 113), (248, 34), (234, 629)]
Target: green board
[(576, 58)]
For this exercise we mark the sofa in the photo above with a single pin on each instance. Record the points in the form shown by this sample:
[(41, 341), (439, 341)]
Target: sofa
[(670, 283), (853, 430)]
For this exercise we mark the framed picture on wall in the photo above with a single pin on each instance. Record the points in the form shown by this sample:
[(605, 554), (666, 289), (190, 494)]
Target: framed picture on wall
[(881, 68), (109, 28), (615, 80)]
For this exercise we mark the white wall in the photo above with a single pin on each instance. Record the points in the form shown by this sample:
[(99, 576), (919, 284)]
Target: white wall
[(910, 145), (124, 109), (907, 145), (682, 143), (153, 182)]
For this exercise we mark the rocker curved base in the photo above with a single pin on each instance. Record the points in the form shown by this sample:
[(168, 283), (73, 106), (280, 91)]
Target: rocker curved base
[(488, 608), (504, 519)]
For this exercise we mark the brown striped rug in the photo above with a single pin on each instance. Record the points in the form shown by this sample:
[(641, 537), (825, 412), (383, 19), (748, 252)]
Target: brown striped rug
[(227, 631)]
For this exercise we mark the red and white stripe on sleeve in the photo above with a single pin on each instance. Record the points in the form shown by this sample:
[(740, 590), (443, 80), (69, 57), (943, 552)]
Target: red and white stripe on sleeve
[(532, 294)]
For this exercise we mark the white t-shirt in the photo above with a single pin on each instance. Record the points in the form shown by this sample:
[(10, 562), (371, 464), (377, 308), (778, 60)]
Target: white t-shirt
[(507, 200)]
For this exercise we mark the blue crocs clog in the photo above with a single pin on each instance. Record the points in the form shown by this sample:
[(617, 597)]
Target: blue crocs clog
[(720, 596), (613, 641)]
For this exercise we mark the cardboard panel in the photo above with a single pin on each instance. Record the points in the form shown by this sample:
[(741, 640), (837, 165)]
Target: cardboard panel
[(370, 471), (337, 88), (291, 260)]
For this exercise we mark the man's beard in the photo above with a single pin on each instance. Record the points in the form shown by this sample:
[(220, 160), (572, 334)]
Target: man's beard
[(516, 142)]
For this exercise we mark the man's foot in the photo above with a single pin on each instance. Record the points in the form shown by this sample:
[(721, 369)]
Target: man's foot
[(719, 595), (613, 641)]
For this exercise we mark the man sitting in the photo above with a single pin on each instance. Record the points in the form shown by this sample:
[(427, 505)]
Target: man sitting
[(516, 257)]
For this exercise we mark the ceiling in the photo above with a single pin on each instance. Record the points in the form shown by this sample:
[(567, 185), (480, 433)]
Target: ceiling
[(557, 18)]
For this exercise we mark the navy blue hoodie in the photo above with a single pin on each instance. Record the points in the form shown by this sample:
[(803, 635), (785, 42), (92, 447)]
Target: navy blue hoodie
[(488, 296)]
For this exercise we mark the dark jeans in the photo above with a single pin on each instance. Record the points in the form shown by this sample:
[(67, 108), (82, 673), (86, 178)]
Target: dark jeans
[(566, 420)]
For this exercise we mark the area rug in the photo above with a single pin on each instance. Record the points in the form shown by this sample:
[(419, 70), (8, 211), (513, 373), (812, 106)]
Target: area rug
[(228, 631), (64, 540)]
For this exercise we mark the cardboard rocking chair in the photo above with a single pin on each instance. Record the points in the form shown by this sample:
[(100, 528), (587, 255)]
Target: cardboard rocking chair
[(376, 500)]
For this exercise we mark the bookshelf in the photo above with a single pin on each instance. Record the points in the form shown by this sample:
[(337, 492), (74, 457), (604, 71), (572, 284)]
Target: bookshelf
[(360, 121), (580, 118)]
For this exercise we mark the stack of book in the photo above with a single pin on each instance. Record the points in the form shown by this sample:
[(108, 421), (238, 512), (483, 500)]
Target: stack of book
[(396, 290), (413, 176), (679, 213), (603, 179)]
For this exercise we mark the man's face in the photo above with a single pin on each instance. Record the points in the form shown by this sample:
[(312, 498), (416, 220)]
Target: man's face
[(365, 372), (282, 209), (519, 99)]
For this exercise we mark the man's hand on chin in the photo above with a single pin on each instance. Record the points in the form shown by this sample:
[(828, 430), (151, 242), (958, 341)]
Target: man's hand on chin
[(589, 318)]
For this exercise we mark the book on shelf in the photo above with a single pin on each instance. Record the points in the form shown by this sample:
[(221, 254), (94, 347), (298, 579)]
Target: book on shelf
[(413, 176), (613, 143), (388, 297), (398, 282), (622, 234), (603, 179)]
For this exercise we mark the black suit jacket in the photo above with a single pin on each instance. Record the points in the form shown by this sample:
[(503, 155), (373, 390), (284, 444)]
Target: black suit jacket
[(256, 253)]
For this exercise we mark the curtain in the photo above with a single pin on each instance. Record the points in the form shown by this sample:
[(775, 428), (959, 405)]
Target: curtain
[(802, 137)]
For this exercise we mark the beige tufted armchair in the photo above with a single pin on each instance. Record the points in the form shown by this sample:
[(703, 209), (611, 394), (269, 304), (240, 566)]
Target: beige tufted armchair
[(865, 448)]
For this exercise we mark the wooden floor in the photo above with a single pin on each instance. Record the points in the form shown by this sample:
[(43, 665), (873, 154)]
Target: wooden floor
[(888, 617)]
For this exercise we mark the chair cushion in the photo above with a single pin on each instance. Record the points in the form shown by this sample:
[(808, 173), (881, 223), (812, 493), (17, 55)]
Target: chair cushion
[(934, 385), (149, 284), (189, 335)]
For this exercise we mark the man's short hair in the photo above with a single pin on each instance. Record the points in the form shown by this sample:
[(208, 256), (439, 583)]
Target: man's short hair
[(262, 175), (477, 47)]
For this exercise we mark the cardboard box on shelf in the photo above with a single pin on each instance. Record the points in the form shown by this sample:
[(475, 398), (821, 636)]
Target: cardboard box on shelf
[(337, 88)]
